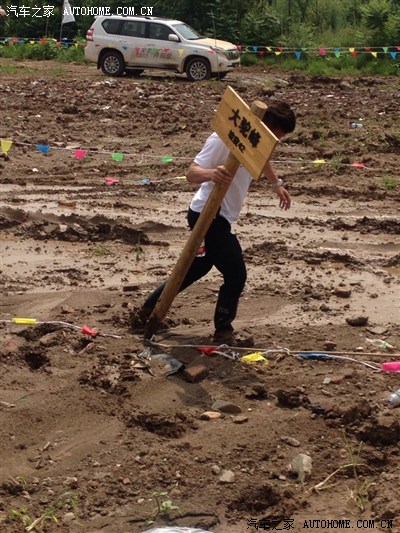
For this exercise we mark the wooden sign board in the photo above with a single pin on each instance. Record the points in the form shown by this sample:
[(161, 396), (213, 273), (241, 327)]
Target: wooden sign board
[(246, 136)]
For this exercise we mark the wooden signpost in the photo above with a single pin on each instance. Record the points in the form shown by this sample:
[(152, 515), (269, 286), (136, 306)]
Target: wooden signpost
[(251, 144)]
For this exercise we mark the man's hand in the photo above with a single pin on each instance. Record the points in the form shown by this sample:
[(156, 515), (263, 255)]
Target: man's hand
[(197, 174), (284, 198), (221, 176)]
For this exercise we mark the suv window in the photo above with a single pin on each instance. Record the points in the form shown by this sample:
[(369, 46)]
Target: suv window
[(133, 28), (159, 31), (111, 26), (187, 32)]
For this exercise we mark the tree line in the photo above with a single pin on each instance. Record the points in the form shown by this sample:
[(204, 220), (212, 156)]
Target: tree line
[(286, 23)]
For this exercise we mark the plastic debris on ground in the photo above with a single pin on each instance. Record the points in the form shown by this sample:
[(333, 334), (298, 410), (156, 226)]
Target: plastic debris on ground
[(379, 343), (320, 356), (255, 357), (391, 366), (223, 349), (169, 365)]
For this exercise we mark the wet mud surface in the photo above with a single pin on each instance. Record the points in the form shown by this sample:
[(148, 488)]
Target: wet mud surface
[(93, 431)]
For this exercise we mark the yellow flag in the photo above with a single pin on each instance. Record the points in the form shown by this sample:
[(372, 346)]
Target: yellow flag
[(375, 54), (5, 145)]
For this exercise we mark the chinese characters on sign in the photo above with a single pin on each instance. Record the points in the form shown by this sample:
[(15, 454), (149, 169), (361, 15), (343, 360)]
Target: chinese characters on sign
[(245, 130), (271, 524), (27, 11), (247, 137)]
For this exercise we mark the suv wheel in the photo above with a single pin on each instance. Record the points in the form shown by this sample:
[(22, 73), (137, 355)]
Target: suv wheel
[(112, 63), (198, 69)]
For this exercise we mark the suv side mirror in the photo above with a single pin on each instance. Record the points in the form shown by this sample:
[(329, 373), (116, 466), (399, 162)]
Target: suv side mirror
[(173, 37)]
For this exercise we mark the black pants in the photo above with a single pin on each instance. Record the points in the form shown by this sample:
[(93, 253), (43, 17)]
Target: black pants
[(224, 252)]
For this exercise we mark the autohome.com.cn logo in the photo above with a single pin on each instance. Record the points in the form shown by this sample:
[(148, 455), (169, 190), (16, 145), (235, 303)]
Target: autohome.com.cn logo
[(48, 11)]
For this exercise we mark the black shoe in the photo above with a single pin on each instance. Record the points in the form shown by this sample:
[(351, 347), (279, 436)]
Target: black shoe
[(230, 338), (138, 318)]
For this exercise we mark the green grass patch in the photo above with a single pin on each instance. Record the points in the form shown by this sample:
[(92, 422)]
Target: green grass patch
[(8, 69), (40, 52), (12, 67), (328, 66), (99, 250), (390, 183)]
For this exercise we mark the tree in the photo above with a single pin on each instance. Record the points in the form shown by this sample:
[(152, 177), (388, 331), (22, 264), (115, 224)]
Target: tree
[(375, 17)]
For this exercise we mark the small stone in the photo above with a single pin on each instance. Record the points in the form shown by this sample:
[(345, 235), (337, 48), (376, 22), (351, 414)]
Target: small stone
[(337, 379), (50, 339), (67, 310), (302, 466), (216, 470), (130, 288), (325, 307), (358, 321), (227, 476), (241, 419), (140, 500), (195, 373), (126, 481), (226, 407), (330, 345), (210, 415), (377, 330), (72, 482), (68, 518), (342, 292), (291, 441), (326, 381)]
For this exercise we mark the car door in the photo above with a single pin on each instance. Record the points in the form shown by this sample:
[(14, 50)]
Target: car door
[(133, 42), (161, 52)]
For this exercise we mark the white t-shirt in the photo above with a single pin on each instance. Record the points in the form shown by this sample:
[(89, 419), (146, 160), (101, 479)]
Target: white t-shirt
[(213, 154)]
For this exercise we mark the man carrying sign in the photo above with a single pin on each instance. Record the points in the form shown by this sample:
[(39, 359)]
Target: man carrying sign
[(221, 247)]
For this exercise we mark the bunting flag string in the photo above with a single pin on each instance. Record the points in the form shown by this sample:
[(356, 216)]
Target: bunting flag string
[(80, 155), (261, 50)]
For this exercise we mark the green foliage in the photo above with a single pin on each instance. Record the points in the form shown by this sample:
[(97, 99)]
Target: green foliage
[(288, 23), (301, 36), (390, 183), (164, 504), (376, 16), (100, 250), (248, 60), (329, 66), (20, 515), (260, 26), (39, 51)]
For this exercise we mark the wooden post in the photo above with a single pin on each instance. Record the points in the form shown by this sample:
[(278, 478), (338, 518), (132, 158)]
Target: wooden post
[(197, 235)]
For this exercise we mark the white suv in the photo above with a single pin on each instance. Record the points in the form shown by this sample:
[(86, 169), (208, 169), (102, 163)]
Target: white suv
[(131, 44)]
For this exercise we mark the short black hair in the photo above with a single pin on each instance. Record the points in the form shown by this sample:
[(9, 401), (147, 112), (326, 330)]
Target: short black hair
[(279, 115)]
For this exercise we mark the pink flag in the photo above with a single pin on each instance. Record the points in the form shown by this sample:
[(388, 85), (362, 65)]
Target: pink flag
[(111, 181), (80, 154)]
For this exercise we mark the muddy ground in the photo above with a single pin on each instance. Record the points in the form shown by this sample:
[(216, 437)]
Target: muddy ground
[(96, 438)]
